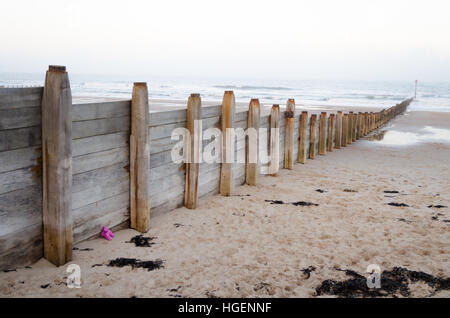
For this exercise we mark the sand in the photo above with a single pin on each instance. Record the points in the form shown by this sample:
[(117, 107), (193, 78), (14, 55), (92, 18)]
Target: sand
[(242, 246)]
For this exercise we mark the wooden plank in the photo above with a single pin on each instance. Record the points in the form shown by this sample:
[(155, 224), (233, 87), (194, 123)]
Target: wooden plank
[(330, 133), (102, 110), (100, 159), (274, 140), (349, 128), (312, 136), (193, 150), (302, 131), (358, 126), (57, 166), (253, 122), (226, 176), (20, 138), (344, 130), (289, 134), (94, 144), (13, 98), (19, 118), (139, 159), (20, 158), (355, 120), (88, 128), (338, 131), (322, 133), (19, 179)]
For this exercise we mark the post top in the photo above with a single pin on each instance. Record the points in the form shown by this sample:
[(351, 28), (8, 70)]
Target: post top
[(140, 84), (331, 115), (304, 112), (228, 92), (276, 105), (56, 68), (195, 95), (291, 100), (340, 112), (254, 100), (323, 113), (313, 115)]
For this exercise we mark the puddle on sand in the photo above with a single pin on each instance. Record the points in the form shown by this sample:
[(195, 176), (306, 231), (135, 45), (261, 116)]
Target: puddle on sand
[(426, 134)]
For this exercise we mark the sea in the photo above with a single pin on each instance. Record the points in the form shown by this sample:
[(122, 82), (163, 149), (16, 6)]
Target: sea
[(431, 96)]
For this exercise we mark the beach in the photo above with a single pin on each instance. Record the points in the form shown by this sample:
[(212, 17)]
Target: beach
[(258, 244)]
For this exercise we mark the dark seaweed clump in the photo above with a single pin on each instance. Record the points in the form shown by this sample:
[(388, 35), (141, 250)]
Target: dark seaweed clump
[(141, 241), (135, 263), (307, 271), (391, 192), (438, 206), (298, 203), (393, 282), (397, 204), (320, 191)]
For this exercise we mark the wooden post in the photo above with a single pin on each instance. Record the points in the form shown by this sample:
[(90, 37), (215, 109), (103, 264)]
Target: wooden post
[(312, 137), (366, 123), (302, 137), (274, 140), (139, 159), (355, 120), (349, 128), (330, 133), (344, 130), (289, 134), (322, 133), (253, 121), (337, 135), (57, 166), (194, 145), (358, 126), (226, 173)]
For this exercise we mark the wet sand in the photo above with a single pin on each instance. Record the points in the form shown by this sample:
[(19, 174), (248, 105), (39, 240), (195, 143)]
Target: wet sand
[(243, 246)]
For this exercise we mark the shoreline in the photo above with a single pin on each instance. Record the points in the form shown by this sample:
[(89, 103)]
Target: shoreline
[(243, 246)]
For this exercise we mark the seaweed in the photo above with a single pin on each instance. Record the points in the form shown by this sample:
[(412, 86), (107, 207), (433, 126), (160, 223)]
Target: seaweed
[(398, 204), (45, 286), (303, 203), (275, 201), (82, 249), (393, 282), (307, 271), (404, 220), (9, 270), (438, 206), (320, 191), (391, 191), (135, 263), (350, 190), (141, 241)]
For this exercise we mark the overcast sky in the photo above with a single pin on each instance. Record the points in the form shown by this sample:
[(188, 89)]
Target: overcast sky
[(345, 39)]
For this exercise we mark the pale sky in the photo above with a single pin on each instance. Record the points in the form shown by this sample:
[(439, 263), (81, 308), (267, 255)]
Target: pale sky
[(345, 39)]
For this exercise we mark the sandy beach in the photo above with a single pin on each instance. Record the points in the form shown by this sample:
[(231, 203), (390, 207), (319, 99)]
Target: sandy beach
[(245, 246)]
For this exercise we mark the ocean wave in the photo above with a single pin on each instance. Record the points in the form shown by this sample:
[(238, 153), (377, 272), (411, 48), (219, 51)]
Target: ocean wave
[(248, 87)]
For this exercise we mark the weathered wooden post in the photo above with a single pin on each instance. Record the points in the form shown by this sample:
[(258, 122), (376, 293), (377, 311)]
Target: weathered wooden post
[(289, 134), (366, 123), (57, 166), (253, 121), (226, 173), (322, 133), (358, 126), (338, 133), (302, 137), (349, 128), (312, 136), (274, 140), (194, 146), (355, 120), (330, 133), (344, 130), (139, 159)]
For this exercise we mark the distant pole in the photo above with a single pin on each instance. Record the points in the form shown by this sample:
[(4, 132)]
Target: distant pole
[(415, 90)]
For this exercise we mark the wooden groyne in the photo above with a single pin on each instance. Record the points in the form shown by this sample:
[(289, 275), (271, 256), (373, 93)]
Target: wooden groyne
[(67, 170)]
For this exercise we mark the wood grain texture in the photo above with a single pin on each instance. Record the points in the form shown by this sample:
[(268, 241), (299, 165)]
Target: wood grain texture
[(302, 133), (254, 115), (338, 131), (139, 159), (312, 136), (322, 133), (22, 97), (57, 166), (274, 140), (226, 173), (344, 130), (289, 116), (330, 133), (193, 149), (349, 128)]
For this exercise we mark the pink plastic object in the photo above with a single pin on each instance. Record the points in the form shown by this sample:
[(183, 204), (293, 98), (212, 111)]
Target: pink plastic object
[(107, 234)]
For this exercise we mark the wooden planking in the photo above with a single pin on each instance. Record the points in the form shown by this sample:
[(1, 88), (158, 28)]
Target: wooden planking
[(19, 118), (13, 98), (102, 110), (18, 179), (19, 158), (179, 116), (20, 138), (94, 144), (88, 128), (100, 159), (96, 177)]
